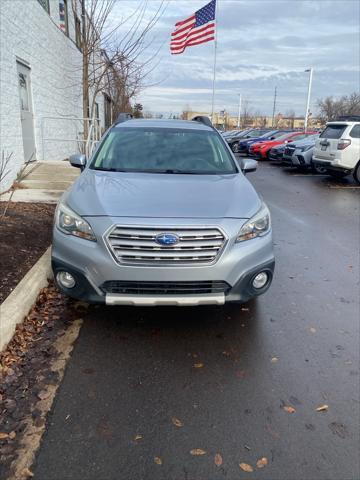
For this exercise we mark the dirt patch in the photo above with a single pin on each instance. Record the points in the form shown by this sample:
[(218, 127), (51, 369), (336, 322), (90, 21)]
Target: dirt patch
[(25, 234), (31, 369)]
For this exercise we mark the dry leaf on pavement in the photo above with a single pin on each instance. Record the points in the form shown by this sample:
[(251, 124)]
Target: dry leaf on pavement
[(218, 460), (43, 394), (312, 330), (177, 422), (198, 365), (158, 460), (3, 435), (262, 462), (138, 437), (274, 359), (25, 472), (246, 467), (12, 435), (289, 409), (322, 408), (197, 451)]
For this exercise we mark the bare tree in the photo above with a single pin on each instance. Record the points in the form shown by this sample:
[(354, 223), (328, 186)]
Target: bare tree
[(113, 61), (330, 108), (290, 118), (247, 116)]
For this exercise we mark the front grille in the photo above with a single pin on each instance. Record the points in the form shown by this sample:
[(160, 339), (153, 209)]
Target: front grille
[(137, 245), (165, 288)]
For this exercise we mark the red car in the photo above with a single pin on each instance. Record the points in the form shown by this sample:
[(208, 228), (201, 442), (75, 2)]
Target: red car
[(260, 150)]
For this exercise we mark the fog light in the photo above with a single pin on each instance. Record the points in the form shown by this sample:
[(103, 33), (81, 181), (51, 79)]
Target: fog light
[(65, 279), (260, 280)]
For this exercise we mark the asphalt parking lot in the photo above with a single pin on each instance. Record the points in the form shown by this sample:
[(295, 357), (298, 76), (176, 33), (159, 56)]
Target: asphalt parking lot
[(147, 388)]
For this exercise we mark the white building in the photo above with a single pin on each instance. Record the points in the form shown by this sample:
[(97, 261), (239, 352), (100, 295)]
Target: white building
[(40, 81)]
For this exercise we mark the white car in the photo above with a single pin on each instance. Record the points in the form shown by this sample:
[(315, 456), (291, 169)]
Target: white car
[(338, 148)]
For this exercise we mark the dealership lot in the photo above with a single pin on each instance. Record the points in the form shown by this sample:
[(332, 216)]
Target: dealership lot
[(161, 382)]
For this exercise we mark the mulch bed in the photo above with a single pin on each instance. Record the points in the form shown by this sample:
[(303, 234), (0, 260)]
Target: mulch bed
[(25, 234), (25, 367)]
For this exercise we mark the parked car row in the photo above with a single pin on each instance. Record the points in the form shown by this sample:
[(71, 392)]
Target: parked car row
[(334, 151)]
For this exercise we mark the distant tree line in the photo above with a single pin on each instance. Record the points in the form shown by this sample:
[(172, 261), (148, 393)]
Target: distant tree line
[(331, 108)]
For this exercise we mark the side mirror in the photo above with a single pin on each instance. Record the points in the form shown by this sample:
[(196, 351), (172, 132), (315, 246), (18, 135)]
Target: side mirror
[(78, 160), (249, 165)]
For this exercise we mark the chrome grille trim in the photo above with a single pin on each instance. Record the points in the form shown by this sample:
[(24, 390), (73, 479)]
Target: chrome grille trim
[(132, 245)]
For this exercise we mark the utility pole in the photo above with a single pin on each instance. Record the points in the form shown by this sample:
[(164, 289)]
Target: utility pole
[(239, 113), (274, 107), (310, 70)]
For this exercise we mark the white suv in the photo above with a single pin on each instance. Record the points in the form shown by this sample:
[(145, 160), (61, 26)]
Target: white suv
[(338, 148)]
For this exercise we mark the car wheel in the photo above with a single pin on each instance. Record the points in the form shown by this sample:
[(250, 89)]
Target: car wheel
[(356, 173), (316, 168), (336, 174)]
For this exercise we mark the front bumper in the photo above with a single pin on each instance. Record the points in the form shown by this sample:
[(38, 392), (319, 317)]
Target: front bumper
[(92, 267)]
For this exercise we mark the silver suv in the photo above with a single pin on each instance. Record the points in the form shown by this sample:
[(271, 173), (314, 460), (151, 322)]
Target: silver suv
[(162, 215)]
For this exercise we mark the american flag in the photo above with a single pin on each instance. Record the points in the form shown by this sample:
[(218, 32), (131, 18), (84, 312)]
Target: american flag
[(197, 29)]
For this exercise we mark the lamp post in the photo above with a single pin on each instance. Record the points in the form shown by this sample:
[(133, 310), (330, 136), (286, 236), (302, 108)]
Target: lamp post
[(310, 70), (239, 112)]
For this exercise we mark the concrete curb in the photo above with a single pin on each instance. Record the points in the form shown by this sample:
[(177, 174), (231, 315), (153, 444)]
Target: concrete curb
[(18, 304)]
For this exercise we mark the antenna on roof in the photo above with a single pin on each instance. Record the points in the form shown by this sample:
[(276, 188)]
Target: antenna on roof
[(123, 117), (203, 119)]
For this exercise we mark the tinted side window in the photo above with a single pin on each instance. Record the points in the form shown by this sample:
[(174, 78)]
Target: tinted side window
[(355, 131), (333, 131)]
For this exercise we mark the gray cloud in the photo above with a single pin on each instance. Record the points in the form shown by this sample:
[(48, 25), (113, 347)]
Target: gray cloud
[(261, 44)]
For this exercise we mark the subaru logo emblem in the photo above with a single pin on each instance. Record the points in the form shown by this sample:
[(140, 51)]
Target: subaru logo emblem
[(167, 239)]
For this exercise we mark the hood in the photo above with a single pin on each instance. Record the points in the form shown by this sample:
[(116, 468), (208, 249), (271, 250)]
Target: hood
[(119, 194), (304, 143)]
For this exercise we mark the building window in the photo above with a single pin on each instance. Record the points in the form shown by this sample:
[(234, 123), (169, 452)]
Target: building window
[(78, 33), (63, 16), (45, 5)]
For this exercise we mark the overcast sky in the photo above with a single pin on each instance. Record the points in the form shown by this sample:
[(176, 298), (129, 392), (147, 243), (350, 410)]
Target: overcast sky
[(261, 44)]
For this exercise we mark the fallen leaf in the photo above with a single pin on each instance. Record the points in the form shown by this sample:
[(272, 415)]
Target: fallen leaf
[(274, 359), (289, 409), (158, 460), (3, 435), (322, 408), (246, 467), (262, 462), (43, 394), (12, 435), (218, 460), (177, 422), (138, 437), (312, 330), (25, 472), (198, 365), (197, 451)]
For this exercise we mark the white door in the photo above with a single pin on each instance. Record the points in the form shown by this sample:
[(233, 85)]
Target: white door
[(26, 112)]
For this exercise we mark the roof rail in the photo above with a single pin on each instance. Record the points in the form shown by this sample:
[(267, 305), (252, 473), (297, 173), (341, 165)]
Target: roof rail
[(348, 118), (123, 117), (203, 119)]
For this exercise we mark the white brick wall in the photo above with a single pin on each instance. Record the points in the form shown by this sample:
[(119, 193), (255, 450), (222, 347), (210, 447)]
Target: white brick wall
[(28, 33)]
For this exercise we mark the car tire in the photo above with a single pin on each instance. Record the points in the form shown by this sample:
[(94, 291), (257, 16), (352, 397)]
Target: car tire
[(316, 168), (336, 174), (356, 173)]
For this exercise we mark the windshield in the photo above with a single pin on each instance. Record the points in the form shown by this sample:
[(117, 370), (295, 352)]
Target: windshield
[(163, 150), (285, 136)]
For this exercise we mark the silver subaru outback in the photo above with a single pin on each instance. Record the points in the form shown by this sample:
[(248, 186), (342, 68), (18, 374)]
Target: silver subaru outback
[(162, 215)]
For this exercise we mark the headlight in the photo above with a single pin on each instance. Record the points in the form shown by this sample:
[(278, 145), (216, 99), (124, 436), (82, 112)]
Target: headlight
[(72, 224), (305, 149), (257, 226)]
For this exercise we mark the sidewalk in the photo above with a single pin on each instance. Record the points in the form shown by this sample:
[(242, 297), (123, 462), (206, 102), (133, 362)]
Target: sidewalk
[(44, 182)]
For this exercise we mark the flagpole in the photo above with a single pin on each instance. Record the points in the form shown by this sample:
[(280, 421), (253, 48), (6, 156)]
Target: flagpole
[(215, 55)]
